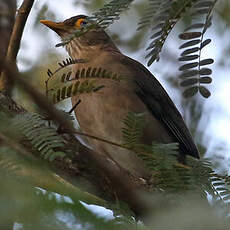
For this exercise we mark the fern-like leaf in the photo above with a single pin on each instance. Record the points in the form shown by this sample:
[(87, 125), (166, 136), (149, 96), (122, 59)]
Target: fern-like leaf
[(77, 87), (85, 80), (195, 73), (150, 12), (132, 130), (164, 19), (67, 62), (42, 137), (103, 17), (110, 12), (167, 173)]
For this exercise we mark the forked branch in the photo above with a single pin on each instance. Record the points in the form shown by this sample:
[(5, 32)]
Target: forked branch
[(14, 43)]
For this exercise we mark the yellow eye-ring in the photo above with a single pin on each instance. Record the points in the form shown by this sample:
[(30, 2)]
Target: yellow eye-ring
[(80, 22)]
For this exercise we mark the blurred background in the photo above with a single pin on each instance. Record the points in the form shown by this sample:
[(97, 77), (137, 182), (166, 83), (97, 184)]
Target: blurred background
[(208, 119)]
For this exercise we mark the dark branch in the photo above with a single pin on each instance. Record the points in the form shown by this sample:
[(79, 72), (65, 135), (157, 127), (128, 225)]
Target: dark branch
[(15, 40), (18, 28), (7, 17), (75, 106), (122, 184)]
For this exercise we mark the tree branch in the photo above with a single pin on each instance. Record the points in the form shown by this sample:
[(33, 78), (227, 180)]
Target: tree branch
[(15, 40), (7, 17), (38, 174), (18, 28), (124, 186)]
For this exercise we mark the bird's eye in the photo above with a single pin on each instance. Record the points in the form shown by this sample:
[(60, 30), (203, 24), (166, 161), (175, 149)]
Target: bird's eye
[(80, 22)]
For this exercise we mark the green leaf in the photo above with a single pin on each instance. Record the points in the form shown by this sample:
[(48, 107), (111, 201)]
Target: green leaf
[(190, 92)]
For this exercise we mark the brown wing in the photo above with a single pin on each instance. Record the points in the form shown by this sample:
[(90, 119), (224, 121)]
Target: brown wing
[(153, 95)]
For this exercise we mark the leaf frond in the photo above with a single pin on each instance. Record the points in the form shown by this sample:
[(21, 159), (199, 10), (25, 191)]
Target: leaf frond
[(84, 80), (42, 137), (194, 75), (103, 17), (167, 14), (132, 130), (110, 12)]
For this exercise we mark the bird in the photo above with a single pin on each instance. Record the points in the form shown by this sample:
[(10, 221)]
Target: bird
[(102, 113)]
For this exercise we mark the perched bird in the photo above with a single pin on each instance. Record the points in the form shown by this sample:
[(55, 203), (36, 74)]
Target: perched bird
[(101, 113)]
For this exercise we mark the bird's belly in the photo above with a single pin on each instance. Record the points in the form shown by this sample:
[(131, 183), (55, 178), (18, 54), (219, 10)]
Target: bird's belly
[(102, 113)]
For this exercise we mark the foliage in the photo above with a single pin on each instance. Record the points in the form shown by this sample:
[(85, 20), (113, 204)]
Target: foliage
[(193, 72), (110, 12), (35, 208), (68, 85), (104, 17), (26, 203), (168, 175), (132, 130), (22, 198), (162, 16), (164, 19), (42, 137)]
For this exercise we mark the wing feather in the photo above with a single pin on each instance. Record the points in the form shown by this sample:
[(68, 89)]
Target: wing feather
[(161, 106)]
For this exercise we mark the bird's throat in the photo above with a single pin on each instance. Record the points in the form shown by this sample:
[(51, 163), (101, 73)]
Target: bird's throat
[(77, 50), (81, 50)]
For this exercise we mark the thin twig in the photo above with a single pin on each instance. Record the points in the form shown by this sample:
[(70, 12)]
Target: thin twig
[(15, 41), (102, 140), (74, 107), (7, 18), (18, 28)]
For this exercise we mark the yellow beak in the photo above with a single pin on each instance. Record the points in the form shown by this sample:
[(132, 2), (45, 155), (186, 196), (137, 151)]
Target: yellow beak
[(58, 27)]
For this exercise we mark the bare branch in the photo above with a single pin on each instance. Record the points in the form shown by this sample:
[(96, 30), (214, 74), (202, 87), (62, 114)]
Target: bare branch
[(15, 40), (7, 17)]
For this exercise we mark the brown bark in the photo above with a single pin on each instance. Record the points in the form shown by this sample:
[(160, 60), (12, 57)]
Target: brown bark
[(14, 43), (7, 15)]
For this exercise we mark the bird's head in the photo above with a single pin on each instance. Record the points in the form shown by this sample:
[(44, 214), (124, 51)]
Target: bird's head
[(69, 26), (89, 36)]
